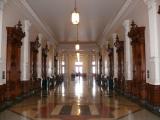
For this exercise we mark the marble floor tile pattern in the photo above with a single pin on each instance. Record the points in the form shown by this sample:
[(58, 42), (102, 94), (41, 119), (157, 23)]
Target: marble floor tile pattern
[(78, 99)]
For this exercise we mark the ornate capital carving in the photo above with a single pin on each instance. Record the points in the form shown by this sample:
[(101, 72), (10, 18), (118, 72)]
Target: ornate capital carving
[(136, 33), (16, 34), (45, 50), (118, 44), (110, 50), (36, 45)]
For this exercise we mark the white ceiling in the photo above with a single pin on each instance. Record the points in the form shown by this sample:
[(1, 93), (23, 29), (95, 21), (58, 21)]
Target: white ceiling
[(94, 16)]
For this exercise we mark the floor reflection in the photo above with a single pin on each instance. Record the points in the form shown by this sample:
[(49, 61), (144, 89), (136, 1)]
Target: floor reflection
[(78, 87), (78, 99)]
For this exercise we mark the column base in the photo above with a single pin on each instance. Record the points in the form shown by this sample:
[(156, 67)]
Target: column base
[(36, 85), (2, 93), (25, 85), (153, 94), (128, 87)]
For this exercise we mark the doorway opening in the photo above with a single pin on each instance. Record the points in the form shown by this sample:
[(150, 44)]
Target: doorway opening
[(79, 68)]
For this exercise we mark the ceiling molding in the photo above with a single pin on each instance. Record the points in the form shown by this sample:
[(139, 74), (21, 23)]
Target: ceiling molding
[(111, 24), (45, 27)]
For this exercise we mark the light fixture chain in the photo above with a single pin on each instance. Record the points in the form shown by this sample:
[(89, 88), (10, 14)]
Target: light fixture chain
[(75, 5), (77, 33)]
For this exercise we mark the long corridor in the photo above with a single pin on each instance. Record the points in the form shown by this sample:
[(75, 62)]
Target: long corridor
[(77, 99)]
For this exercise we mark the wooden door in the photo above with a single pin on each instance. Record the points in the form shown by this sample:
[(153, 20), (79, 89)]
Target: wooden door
[(111, 62), (139, 65), (14, 37), (33, 64), (55, 64), (100, 65), (120, 54), (44, 62)]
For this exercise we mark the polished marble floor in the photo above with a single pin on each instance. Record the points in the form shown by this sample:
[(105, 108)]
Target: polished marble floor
[(78, 99)]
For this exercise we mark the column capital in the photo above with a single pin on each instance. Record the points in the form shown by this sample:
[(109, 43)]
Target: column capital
[(150, 3), (126, 25), (114, 36), (40, 36), (27, 24), (2, 3)]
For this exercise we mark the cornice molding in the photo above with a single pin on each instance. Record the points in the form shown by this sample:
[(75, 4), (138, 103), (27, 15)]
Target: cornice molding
[(49, 34), (111, 24)]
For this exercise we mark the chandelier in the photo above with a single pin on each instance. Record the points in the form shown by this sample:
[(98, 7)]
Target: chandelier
[(75, 18)]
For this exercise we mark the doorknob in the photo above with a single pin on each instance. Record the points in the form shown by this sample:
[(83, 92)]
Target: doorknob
[(3, 75), (148, 74)]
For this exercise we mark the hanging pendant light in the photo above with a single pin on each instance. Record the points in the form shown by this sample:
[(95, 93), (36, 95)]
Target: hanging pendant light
[(75, 18), (77, 46)]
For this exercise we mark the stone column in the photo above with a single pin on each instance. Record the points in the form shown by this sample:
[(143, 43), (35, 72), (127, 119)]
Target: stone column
[(49, 60), (25, 59), (97, 58), (154, 73), (2, 55), (103, 61), (59, 63), (128, 58), (66, 65), (2, 2), (115, 76), (90, 55)]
